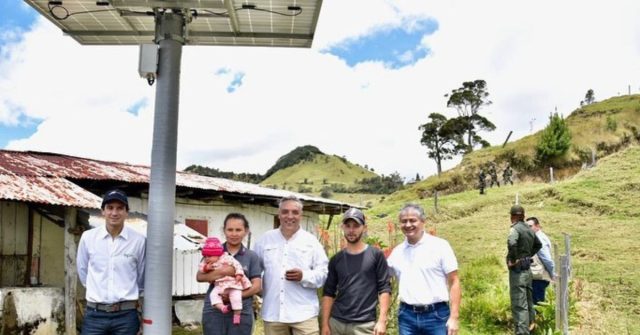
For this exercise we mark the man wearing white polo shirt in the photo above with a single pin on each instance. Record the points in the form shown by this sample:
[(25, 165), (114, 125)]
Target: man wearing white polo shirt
[(427, 273)]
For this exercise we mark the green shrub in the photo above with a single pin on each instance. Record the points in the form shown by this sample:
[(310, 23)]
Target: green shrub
[(554, 141), (612, 125), (485, 303)]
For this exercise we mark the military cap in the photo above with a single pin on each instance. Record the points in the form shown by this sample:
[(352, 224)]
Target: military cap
[(516, 210)]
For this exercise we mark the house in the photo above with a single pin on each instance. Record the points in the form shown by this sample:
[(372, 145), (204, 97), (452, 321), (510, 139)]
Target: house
[(48, 199)]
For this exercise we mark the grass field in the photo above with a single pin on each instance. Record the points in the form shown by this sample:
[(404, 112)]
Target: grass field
[(598, 207)]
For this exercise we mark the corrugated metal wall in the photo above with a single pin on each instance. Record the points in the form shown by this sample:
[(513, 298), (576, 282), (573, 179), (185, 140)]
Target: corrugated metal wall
[(185, 267)]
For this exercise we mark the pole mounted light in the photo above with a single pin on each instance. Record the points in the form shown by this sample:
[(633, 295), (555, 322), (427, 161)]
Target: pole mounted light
[(161, 28)]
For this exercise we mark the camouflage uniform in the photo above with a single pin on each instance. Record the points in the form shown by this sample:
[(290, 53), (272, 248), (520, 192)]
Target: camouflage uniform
[(522, 244), (506, 175), (481, 181), (494, 176)]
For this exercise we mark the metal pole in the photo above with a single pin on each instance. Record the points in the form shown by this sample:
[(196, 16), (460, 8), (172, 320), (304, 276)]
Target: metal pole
[(158, 277)]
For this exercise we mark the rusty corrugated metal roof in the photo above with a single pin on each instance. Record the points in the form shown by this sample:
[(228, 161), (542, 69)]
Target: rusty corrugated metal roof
[(46, 172), (46, 190)]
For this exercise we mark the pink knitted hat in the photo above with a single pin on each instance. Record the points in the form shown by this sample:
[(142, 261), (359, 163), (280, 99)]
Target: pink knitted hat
[(212, 247)]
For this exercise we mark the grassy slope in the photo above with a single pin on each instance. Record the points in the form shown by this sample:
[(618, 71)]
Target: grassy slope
[(589, 130), (330, 167), (597, 207)]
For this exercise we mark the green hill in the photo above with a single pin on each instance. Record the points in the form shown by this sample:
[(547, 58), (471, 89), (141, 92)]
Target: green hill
[(297, 155), (312, 174), (598, 207), (602, 127)]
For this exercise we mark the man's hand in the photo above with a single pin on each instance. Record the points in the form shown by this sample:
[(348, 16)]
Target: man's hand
[(380, 328), (293, 275), (452, 326), (325, 330)]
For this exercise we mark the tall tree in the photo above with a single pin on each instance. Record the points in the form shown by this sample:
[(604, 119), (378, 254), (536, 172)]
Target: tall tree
[(589, 98), (467, 101), (555, 139), (443, 138), (471, 126)]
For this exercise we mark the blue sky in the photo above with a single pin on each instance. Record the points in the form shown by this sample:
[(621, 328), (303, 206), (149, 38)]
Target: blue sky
[(395, 47), (25, 128), (15, 16)]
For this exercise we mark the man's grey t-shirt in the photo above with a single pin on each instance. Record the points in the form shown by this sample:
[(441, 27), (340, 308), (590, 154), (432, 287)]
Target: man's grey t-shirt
[(355, 281)]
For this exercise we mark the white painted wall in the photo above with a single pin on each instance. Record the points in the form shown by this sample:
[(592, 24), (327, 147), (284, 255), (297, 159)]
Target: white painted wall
[(38, 311), (261, 218)]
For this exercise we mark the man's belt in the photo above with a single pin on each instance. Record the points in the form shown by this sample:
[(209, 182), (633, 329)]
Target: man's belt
[(521, 264), (118, 306), (423, 308)]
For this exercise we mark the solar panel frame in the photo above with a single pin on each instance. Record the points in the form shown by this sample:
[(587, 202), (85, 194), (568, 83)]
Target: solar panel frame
[(131, 22)]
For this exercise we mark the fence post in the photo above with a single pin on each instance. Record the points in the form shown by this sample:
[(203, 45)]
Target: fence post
[(435, 201), (556, 284), (551, 175), (567, 250), (564, 289)]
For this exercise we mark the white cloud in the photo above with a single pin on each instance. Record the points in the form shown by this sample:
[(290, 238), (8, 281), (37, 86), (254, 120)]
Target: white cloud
[(534, 57)]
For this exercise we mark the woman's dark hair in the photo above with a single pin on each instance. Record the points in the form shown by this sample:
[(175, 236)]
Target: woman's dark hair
[(236, 216)]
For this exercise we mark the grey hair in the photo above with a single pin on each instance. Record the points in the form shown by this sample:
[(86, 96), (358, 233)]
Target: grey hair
[(415, 207), (290, 198)]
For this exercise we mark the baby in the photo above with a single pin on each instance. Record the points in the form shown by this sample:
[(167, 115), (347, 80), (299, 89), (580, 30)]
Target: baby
[(214, 258)]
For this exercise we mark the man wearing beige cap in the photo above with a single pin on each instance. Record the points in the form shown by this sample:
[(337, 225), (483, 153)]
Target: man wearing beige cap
[(357, 282)]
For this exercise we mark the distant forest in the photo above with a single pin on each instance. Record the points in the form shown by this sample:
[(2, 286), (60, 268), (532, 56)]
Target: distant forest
[(254, 178)]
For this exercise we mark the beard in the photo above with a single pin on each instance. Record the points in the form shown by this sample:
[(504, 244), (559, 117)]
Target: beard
[(353, 239)]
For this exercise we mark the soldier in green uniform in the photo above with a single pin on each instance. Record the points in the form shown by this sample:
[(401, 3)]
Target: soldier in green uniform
[(506, 175), (494, 175), (522, 244), (481, 181)]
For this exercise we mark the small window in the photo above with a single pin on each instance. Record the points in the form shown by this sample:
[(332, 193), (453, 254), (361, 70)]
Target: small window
[(201, 226)]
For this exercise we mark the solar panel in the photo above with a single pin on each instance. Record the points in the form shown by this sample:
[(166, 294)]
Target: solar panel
[(270, 23)]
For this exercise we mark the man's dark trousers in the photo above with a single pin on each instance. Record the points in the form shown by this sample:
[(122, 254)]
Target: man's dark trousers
[(521, 300)]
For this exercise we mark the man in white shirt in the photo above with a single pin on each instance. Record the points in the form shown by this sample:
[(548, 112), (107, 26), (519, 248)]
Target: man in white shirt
[(427, 273), (542, 266), (111, 267), (295, 266)]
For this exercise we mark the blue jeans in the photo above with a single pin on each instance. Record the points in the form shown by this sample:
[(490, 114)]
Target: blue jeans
[(431, 322), (538, 289), (116, 323)]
